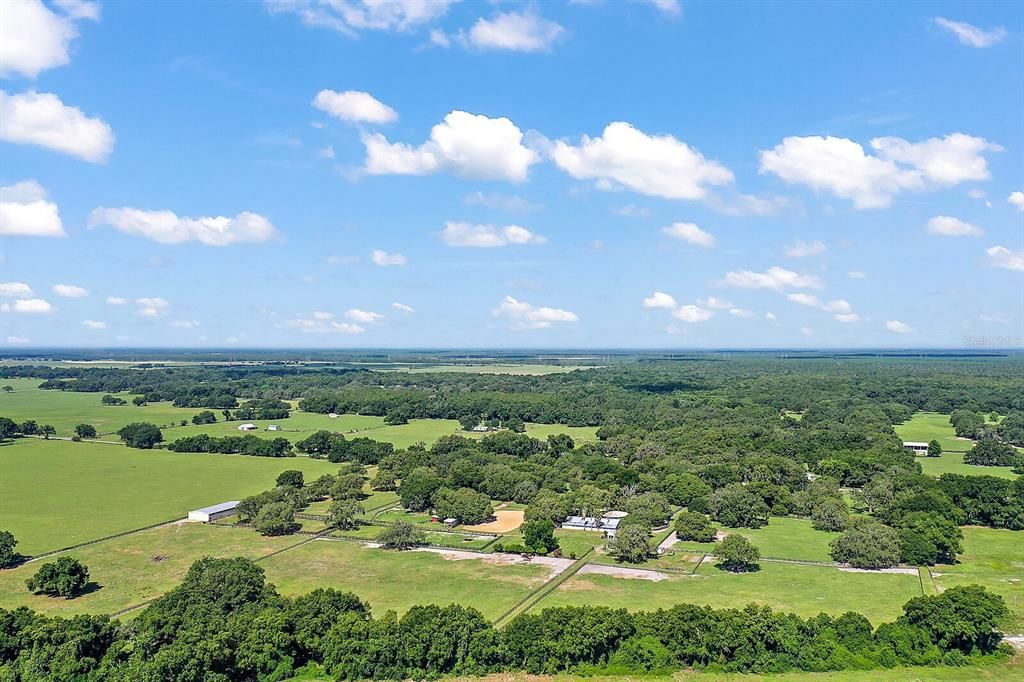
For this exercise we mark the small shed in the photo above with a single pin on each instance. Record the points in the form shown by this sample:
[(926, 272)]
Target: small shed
[(214, 512), (917, 447), (451, 522), (333, 415), (273, 427), (247, 427)]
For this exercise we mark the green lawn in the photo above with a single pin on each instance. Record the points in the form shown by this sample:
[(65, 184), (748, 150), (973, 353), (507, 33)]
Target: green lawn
[(804, 590), (138, 567), (993, 558), (782, 538), (399, 580), (925, 426), (297, 426), (66, 409), (571, 542), (57, 493)]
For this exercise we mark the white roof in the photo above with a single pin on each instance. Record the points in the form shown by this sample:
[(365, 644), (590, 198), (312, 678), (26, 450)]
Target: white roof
[(914, 444), (216, 508)]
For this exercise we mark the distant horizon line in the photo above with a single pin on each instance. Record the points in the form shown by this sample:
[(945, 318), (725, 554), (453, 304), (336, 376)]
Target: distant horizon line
[(36, 350)]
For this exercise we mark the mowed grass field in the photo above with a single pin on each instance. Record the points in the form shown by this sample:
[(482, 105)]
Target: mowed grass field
[(66, 409), (782, 538), (133, 569), (925, 426), (399, 580), (301, 424), (801, 589), (54, 494), (993, 558)]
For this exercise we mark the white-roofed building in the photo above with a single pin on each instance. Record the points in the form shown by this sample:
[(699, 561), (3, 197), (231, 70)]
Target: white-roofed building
[(917, 447), (214, 512)]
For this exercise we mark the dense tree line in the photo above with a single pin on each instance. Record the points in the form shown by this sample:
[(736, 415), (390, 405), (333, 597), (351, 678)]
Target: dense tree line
[(225, 622), (234, 445)]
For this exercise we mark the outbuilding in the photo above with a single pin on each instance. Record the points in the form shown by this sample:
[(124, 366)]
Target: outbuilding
[(214, 512), (247, 427), (607, 523), (273, 427), (917, 447)]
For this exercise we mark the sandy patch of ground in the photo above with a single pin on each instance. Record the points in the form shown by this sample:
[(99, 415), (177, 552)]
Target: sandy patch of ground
[(505, 521), (899, 571), (623, 572), (720, 535), (553, 564)]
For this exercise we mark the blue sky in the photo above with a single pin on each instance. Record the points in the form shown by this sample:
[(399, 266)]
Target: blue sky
[(501, 174)]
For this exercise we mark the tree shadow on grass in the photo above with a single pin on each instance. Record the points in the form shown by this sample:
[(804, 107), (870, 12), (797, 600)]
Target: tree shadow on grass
[(738, 568)]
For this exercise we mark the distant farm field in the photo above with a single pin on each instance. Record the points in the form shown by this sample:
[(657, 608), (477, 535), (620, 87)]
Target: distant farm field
[(57, 493), (926, 426), (66, 409), (299, 425)]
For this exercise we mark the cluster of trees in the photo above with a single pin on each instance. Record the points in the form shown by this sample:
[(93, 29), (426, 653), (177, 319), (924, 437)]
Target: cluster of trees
[(141, 435), (991, 453), (225, 622), (234, 445), (30, 427), (263, 408), (334, 447), (66, 577), (272, 512)]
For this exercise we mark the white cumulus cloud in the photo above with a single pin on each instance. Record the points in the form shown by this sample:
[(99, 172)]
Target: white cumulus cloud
[(151, 306), (383, 258), (802, 249), (857, 274), (842, 167), (716, 303), (365, 316), (953, 227), (523, 315), (897, 327), (320, 325), (403, 308), (1002, 257), (166, 227), (623, 156), (353, 16), (354, 106), (43, 119), (15, 290), (469, 145), (487, 236), (70, 291), (26, 212), (1016, 199), (516, 31), (94, 324), (971, 35), (692, 313), (689, 232), (27, 306), (741, 312), (34, 38), (659, 299), (116, 300), (773, 278), (185, 324)]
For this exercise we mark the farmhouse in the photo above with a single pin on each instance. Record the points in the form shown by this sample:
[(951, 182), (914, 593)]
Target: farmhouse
[(608, 523), (247, 427), (917, 447), (214, 512)]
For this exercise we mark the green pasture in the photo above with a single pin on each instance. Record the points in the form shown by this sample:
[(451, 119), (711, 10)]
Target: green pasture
[(57, 493), (66, 409), (926, 426), (801, 589), (297, 426), (782, 538), (135, 568), (993, 558), (399, 580)]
